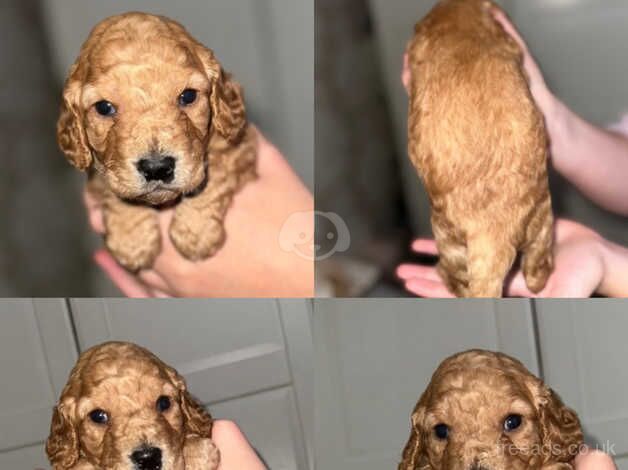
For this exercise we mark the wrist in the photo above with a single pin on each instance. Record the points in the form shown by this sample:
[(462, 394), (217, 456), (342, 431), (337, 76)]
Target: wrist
[(559, 123)]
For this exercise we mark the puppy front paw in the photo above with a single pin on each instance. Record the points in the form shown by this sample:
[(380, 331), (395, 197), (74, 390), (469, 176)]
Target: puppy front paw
[(135, 248), (197, 239), (200, 453)]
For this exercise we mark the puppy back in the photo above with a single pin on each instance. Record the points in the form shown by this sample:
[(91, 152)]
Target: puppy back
[(471, 112)]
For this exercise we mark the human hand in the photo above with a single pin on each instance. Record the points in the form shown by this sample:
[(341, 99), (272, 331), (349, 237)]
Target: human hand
[(251, 263), (235, 451), (582, 152), (540, 91), (584, 264), (594, 460)]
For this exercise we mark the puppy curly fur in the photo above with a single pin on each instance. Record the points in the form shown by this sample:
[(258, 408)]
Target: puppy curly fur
[(141, 64), (472, 393), (126, 381), (480, 146)]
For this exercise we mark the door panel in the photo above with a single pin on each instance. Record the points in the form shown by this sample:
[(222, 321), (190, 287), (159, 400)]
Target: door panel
[(583, 355), (27, 458), (223, 348), (374, 358), (271, 423), (36, 348)]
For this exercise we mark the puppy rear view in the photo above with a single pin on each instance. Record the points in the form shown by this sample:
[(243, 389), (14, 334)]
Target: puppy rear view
[(479, 144), (485, 410)]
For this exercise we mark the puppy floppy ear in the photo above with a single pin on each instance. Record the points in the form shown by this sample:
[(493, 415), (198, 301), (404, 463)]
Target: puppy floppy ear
[(62, 446), (196, 420), (226, 98), (71, 134), (560, 427), (413, 457)]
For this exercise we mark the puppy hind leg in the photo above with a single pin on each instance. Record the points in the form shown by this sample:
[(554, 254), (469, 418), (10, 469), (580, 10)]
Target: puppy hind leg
[(538, 258), (489, 262), (452, 266)]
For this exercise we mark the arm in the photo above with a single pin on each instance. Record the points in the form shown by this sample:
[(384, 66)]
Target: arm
[(593, 159)]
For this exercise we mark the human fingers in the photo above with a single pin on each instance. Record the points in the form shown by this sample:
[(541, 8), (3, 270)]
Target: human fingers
[(124, 280)]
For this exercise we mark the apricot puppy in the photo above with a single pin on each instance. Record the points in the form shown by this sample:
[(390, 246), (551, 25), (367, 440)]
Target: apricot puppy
[(152, 116), (485, 410), (124, 409), (479, 144)]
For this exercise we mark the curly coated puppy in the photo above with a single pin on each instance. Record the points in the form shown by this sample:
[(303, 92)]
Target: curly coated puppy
[(485, 411), (479, 144), (151, 114), (124, 409)]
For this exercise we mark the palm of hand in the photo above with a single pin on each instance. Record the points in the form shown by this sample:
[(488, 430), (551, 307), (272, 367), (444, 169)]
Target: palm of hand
[(578, 267)]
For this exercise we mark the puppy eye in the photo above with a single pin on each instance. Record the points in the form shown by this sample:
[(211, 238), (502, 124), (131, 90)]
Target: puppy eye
[(441, 431), (163, 403), (105, 108), (512, 422), (188, 96), (99, 416)]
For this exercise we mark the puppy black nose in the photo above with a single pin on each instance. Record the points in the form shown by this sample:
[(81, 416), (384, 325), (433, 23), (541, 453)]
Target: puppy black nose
[(157, 168), (147, 458)]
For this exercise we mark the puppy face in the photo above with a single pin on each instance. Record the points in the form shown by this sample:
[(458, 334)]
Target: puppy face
[(141, 104), (486, 411), (124, 409)]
